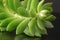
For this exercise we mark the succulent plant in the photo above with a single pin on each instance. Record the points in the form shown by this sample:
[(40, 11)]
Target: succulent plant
[(28, 16)]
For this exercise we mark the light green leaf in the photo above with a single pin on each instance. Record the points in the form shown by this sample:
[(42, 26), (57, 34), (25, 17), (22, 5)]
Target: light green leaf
[(16, 4), (21, 27), (1, 6), (22, 12), (27, 32), (31, 26), (40, 5), (28, 5), (48, 24), (37, 32), (9, 4), (44, 14), (24, 3), (50, 18), (32, 13), (41, 26), (4, 15), (12, 4), (47, 6), (33, 5), (6, 21), (13, 25)]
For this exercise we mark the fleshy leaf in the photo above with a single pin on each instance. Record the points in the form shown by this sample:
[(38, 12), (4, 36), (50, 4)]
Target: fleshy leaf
[(21, 27), (12, 5), (15, 23), (41, 26), (24, 3), (40, 5), (31, 26), (33, 5), (37, 31), (48, 24), (4, 15), (21, 11), (6, 21), (27, 32), (50, 18), (28, 5), (47, 6)]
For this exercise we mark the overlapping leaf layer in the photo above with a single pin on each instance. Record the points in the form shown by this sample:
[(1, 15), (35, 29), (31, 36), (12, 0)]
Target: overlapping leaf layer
[(28, 16)]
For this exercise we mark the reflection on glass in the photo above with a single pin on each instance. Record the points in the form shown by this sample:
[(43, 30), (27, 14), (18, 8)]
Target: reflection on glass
[(6, 36), (24, 37), (10, 36)]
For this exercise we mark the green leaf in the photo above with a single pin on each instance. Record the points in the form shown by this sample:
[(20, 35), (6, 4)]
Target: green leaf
[(33, 5), (48, 24), (0, 21), (9, 4), (37, 31), (32, 13), (28, 5), (50, 18), (2, 29), (33, 8), (31, 26), (16, 4), (27, 32), (40, 5), (1, 6), (4, 15), (12, 5), (24, 3), (47, 6), (41, 26), (44, 14), (21, 27), (21, 11), (13, 25), (6, 21)]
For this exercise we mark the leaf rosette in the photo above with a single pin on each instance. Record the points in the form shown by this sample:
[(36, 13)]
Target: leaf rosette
[(29, 16)]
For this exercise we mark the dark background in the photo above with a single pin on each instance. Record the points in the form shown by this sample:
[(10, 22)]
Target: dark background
[(54, 34)]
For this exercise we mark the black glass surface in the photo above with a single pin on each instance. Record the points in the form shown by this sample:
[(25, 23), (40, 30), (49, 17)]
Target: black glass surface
[(11, 36)]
